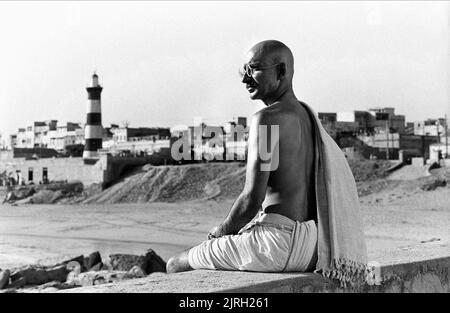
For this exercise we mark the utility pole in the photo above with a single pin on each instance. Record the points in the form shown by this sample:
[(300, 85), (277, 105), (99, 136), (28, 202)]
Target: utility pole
[(437, 131), (438, 141), (446, 137), (387, 139)]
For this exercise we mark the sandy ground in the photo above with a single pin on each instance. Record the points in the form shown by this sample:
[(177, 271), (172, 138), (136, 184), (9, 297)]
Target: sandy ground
[(404, 223)]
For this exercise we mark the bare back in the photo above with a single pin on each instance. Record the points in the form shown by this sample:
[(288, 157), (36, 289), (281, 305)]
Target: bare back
[(290, 188)]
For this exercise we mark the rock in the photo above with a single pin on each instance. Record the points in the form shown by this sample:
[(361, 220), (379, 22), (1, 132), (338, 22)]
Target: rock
[(4, 278), (79, 259), (86, 279), (89, 278), (74, 267), (98, 278), (43, 197), (106, 266), (24, 192), (72, 279), (97, 267), (58, 273), (10, 197), (54, 285), (211, 190), (115, 276), (18, 283), (33, 275), (51, 284), (55, 261), (78, 279), (125, 262), (23, 201), (149, 263), (153, 263), (434, 184), (136, 272), (92, 260), (100, 281), (74, 186), (56, 196)]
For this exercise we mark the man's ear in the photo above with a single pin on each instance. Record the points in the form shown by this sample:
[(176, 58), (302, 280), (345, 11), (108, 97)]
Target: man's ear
[(281, 70)]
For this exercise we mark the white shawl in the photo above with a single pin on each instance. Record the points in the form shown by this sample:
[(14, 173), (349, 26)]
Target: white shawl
[(342, 250)]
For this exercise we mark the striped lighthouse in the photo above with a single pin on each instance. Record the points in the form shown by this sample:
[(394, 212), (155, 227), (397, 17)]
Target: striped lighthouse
[(93, 130)]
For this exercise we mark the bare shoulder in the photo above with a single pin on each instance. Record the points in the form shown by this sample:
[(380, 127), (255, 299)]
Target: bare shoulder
[(278, 114)]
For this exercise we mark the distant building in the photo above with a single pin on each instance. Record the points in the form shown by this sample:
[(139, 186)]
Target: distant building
[(12, 141), (391, 140), (410, 145), (358, 121), (382, 110), (48, 135), (65, 135), (430, 127), (135, 140), (375, 120), (386, 117), (327, 117), (37, 135), (242, 121), (409, 130), (441, 149), (124, 134), (6, 141)]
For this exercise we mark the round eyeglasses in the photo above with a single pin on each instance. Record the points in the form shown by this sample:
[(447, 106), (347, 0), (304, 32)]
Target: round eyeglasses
[(248, 70)]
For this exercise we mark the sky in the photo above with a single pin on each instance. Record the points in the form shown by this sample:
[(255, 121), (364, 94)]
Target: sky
[(168, 63)]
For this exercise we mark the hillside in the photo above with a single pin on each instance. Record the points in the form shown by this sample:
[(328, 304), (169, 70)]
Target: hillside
[(175, 183), (199, 181)]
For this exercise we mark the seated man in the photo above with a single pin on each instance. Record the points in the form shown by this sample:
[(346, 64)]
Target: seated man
[(279, 181)]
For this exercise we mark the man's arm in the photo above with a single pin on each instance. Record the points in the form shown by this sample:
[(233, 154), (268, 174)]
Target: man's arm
[(249, 201)]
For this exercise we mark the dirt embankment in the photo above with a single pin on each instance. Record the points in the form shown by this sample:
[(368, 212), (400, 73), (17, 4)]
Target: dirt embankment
[(205, 181), (175, 183), (218, 181)]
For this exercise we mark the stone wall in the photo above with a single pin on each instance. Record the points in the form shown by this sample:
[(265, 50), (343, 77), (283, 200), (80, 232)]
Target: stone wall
[(57, 169), (422, 276), (105, 171)]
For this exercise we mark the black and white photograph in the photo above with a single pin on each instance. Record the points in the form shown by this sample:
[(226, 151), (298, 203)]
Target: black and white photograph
[(243, 148)]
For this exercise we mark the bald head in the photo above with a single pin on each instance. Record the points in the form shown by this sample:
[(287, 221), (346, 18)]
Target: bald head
[(274, 52), (268, 71)]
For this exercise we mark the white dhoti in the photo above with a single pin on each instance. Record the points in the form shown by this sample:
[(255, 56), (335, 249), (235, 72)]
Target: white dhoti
[(271, 243)]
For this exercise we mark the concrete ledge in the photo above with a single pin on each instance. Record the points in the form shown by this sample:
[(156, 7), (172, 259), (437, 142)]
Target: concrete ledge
[(421, 276)]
